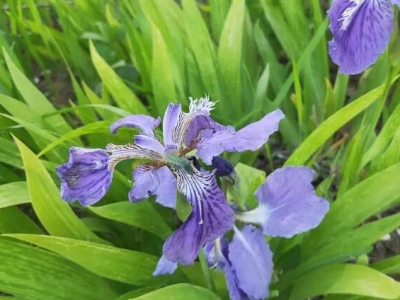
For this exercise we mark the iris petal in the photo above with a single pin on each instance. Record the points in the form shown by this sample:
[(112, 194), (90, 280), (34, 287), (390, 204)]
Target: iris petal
[(86, 177), (202, 126), (251, 260), (164, 266), (211, 217), (217, 256), (145, 123), (251, 137), (198, 107), (146, 183), (361, 31), (288, 204), (149, 143), (130, 151), (170, 120), (166, 193), (150, 181)]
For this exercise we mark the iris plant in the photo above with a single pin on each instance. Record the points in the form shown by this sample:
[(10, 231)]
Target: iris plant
[(287, 204), (361, 31)]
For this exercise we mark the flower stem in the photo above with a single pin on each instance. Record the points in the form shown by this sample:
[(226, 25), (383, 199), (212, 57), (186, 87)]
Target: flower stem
[(206, 271)]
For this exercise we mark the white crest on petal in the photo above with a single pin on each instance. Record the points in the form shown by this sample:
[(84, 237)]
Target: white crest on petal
[(197, 107), (258, 215), (129, 151), (202, 104), (349, 13)]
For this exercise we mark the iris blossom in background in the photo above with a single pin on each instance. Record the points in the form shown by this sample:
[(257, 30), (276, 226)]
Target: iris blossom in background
[(361, 31), (168, 167)]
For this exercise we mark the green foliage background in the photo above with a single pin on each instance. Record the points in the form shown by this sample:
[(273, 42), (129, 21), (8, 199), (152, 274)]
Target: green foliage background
[(136, 56)]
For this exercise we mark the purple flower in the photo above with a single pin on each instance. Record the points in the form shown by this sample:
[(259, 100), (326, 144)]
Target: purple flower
[(86, 177), (288, 205), (361, 31), (168, 168), (246, 262)]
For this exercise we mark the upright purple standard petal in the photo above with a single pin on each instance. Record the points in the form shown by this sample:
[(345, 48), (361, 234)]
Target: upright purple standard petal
[(202, 126), (211, 217), (146, 124), (288, 204), (170, 120), (86, 177), (251, 260), (150, 181), (164, 266), (361, 32), (197, 108), (251, 137)]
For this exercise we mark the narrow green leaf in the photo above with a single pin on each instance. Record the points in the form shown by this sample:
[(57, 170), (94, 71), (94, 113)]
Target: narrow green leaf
[(230, 54), (384, 137), (32, 273), (345, 279), (97, 127), (125, 98), (342, 247), (141, 215), (389, 265), (9, 153), (13, 220), (161, 71), (324, 131), (107, 261), (13, 193), (357, 204), (182, 291), (55, 215), (203, 49), (218, 11), (34, 98)]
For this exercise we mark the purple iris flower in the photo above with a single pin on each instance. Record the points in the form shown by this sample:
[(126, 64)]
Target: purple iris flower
[(361, 31), (287, 205), (168, 168)]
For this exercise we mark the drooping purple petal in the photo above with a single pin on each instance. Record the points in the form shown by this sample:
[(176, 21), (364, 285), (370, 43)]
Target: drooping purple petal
[(235, 293), (146, 124), (170, 121), (217, 257), (166, 193), (251, 137), (361, 32), (251, 261), (86, 177), (150, 181), (288, 204), (146, 183), (164, 266), (211, 217)]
